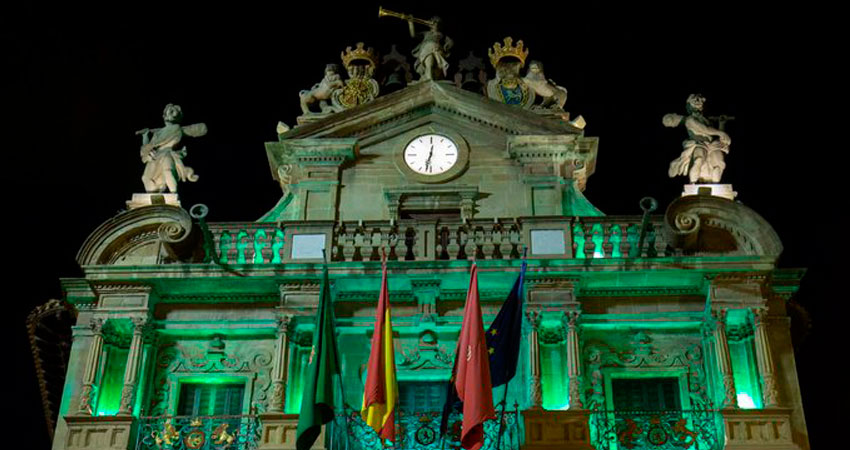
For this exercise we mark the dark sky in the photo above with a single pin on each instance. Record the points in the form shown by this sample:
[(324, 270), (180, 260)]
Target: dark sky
[(85, 80)]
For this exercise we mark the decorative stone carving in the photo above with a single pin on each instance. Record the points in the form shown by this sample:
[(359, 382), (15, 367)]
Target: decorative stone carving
[(552, 96), (702, 158), (508, 87), (279, 372), (711, 225), (360, 87), (426, 355), (471, 74), (252, 359), (321, 91), (724, 362), (570, 320), (644, 352), (163, 164), (396, 70), (534, 319), (88, 392), (770, 391)]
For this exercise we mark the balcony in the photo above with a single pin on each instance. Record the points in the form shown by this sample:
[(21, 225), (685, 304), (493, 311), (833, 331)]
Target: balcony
[(656, 430), (432, 240), (421, 431), (198, 433)]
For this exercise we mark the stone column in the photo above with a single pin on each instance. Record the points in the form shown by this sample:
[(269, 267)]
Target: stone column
[(131, 371), (534, 359), (573, 359), (724, 362), (279, 371), (87, 394), (769, 392)]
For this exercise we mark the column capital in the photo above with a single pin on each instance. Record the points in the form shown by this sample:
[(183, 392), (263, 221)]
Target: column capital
[(535, 317), (285, 323), (759, 315), (96, 325)]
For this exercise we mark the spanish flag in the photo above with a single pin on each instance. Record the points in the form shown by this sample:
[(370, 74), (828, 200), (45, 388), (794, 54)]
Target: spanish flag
[(381, 393)]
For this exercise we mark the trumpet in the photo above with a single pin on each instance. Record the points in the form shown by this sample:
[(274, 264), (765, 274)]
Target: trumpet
[(408, 17)]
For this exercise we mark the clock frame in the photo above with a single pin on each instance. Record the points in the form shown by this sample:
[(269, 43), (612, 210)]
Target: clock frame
[(458, 168)]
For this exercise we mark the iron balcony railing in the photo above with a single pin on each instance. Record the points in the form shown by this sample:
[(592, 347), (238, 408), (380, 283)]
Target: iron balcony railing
[(198, 433), (656, 430), (421, 431)]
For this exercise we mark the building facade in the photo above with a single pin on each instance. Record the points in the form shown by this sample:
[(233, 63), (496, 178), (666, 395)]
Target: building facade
[(661, 331)]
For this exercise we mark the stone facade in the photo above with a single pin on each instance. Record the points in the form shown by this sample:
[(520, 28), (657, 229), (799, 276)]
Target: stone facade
[(169, 303)]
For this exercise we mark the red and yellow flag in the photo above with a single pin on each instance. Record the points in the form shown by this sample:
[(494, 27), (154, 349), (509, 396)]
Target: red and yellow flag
[(381, 393), (472, 376)]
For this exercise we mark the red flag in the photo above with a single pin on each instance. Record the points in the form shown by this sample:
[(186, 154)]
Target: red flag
[(472, 379), (381, 391)]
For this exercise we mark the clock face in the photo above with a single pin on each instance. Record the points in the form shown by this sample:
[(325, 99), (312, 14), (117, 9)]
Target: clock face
[(431, 154)]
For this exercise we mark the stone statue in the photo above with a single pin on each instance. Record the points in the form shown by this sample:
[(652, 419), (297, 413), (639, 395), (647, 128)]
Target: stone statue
[(321, 91), (432, 51), (508, 86), (702, 157), (163, 164), (553, 96)]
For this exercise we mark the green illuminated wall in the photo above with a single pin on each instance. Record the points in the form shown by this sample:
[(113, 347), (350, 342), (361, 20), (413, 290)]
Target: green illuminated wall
[(554, 379), (745, 372), (112, 381)]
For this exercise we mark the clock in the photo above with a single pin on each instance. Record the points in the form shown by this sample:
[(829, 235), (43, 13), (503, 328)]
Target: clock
[(431, 154)]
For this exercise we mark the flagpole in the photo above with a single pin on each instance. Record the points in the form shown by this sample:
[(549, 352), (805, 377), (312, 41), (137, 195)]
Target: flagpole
[(339, 373), (504, 401)]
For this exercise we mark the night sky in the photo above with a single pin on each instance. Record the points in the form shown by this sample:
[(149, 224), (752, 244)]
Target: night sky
[(83, 81)]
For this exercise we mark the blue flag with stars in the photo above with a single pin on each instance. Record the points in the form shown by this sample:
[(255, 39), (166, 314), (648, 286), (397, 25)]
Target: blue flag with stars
[(504, 334), (503, 338)]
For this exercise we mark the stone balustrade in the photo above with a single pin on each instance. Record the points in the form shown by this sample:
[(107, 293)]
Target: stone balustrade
[(432, 240)]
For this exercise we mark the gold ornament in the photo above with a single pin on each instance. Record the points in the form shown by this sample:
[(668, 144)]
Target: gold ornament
[(508, 50), (360, 53)]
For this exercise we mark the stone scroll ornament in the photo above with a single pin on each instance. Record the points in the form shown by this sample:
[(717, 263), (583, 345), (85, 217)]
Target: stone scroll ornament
[(163, 160), (702, 158)]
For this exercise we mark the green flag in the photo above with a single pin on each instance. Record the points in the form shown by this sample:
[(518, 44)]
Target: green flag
[(317, 400)]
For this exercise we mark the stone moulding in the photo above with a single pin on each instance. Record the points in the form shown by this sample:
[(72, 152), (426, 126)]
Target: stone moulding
[(99, 432), (128, 232), (704, 224)]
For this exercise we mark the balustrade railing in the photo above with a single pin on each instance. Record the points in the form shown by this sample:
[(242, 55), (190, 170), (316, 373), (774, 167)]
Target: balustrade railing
[(409, 240), (421, 431), (198, 433), (656, 430)]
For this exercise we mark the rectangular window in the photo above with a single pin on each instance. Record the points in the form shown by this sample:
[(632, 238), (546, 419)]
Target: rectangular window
[(206, 399), (646, 394), (421, 396)]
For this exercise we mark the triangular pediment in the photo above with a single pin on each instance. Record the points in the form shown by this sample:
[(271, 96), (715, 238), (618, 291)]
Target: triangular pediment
[(431, 99)]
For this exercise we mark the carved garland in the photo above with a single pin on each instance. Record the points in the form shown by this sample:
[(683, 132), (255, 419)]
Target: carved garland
[(174, 358), (643, 353)]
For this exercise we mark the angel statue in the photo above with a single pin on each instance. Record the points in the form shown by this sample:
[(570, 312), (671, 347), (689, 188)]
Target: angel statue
[(163, 164), (702, 157), (431, 53)]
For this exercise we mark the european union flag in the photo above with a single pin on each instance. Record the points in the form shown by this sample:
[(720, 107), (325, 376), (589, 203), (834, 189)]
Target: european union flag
[(503, 338), (504, 334)]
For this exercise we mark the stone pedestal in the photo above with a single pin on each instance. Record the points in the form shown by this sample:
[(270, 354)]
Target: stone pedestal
[(153, 199), (278, 432), (716, 190), (99, 432), (556, 430), (751, 429)]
